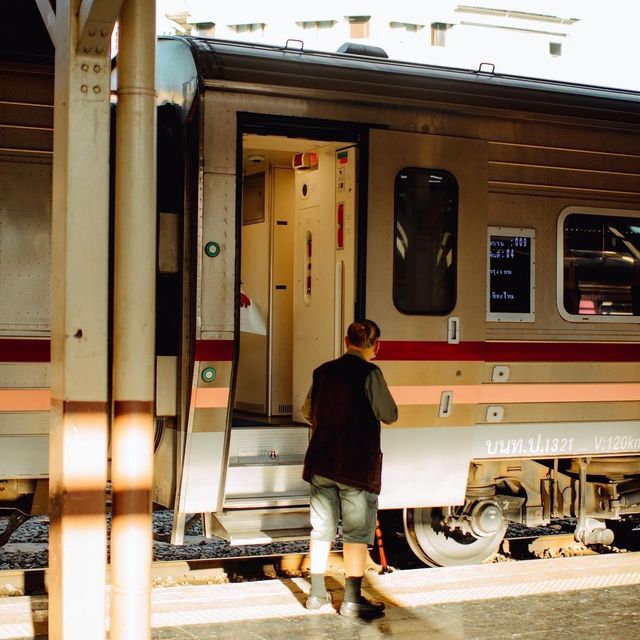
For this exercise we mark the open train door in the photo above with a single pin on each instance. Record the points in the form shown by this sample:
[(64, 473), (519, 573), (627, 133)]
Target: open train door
[(426, 287), (324, 261)]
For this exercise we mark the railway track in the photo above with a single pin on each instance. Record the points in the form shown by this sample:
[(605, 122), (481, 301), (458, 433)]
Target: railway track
[(213, 561), (163, 573), (256, 567)]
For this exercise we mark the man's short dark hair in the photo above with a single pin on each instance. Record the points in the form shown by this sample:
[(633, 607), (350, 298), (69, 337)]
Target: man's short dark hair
[(363, 333)]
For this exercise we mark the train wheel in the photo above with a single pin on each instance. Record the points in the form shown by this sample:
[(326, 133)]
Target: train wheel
[(439, 545)]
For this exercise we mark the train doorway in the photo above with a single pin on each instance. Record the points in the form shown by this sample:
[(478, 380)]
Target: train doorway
[(297, 297), (297, 268)]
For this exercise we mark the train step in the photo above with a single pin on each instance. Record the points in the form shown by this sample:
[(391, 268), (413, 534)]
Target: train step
[(260, 526)]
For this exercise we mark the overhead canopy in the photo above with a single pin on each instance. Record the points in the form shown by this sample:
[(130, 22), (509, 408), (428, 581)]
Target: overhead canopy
[(24, 37)]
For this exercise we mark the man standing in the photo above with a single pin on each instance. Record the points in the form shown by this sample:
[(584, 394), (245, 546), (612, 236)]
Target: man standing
[(347, 400)]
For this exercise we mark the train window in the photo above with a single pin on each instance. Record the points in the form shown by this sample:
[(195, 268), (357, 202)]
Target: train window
[(600, 258), (426, 224)]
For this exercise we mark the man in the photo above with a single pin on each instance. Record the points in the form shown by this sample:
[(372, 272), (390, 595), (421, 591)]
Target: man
[(347, 400)]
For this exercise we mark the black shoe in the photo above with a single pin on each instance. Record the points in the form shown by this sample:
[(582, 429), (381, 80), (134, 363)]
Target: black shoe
[(318, 602), (363, 608)]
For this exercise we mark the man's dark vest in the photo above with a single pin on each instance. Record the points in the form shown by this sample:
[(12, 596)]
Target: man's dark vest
[(345, 441)]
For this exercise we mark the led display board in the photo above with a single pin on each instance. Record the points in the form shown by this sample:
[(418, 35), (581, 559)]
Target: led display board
[(510, 274)]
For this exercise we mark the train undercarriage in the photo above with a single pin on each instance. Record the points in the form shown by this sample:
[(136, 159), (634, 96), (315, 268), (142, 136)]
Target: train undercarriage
[(601, 494)]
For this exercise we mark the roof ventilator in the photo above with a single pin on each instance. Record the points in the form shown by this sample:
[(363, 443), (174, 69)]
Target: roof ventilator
[(356, 49)]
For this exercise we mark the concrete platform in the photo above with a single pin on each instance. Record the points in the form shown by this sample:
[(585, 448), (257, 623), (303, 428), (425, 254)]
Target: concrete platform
[(593, 597)]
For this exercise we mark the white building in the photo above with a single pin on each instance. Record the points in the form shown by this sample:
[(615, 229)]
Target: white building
[(565, 40)]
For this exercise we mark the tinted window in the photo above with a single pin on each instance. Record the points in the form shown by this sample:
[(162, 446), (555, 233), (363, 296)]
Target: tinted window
[(424, 258), (601, 256), (253, 198)]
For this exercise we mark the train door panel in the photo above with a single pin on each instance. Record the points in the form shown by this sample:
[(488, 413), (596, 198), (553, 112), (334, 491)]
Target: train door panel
[(426, 289), (323, 263), (465, 161)]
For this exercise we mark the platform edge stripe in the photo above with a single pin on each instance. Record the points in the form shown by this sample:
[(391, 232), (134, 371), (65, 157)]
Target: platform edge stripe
[(509, 591)]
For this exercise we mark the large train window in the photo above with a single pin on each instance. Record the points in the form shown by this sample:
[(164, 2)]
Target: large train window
[(426, 225), (599, 254)]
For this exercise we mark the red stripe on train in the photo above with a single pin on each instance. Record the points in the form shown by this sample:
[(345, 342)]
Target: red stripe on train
[(24, 350), (38, 350), (214, 350), (32, 350), (509, 351)]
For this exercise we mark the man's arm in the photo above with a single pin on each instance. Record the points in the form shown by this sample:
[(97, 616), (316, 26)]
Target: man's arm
[(306, 407), (383, 405)]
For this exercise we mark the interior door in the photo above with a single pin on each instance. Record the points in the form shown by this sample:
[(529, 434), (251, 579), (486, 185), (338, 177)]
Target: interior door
[(324, 253)]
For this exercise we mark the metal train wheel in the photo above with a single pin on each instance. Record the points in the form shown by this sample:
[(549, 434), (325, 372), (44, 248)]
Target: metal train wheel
[(437, 545)]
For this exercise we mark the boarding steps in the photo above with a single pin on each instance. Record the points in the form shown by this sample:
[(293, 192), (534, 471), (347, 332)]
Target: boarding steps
[(266, 499)]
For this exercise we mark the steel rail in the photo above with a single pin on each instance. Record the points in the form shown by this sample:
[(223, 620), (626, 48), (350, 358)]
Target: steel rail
[(172, 572)]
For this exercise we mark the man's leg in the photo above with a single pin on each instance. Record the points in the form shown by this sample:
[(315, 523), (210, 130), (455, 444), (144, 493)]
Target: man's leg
[(325, 509), (319, 558), (355, 559), (359, 510)]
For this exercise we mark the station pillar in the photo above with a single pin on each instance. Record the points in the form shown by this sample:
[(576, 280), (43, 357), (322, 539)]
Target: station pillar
[(79, 326), (134, 325)]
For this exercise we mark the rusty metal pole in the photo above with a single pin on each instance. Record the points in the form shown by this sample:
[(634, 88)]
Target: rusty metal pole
[(79, 327), (134, 325)]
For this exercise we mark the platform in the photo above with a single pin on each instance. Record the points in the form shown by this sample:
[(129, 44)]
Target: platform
[(593, 597)]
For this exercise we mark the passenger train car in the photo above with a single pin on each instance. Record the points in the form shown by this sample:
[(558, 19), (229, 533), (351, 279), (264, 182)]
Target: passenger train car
[(489, 224)]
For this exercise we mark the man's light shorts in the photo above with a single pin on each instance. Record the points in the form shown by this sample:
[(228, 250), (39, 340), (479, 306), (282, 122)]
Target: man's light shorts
[(332, 501)]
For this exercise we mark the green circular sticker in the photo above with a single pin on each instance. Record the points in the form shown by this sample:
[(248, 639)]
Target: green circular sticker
[(212, 249), (208, 374)]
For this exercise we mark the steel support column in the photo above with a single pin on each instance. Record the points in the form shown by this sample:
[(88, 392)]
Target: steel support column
[(134, 325), (79, 314)]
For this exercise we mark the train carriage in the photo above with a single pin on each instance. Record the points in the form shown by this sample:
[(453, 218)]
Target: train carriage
[(26, 140), (489, 224)]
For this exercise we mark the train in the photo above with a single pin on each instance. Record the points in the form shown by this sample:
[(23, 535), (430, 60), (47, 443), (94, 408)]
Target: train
[(490, 224)]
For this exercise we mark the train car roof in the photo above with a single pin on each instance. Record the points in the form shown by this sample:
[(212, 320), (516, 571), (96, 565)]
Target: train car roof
[(380, 79)]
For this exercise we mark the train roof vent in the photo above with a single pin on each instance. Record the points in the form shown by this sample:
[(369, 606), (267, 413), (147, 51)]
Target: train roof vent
[(356, 49)]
